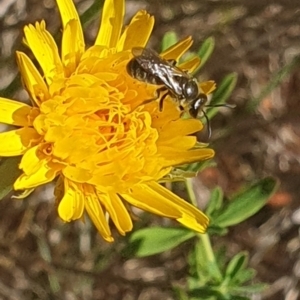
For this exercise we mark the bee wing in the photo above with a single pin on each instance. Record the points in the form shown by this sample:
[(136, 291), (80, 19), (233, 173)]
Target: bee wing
[(144, 53), (152, 63), (147, 58)]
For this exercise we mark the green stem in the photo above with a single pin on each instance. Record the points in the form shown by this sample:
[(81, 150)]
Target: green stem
[(206, 248), (209, 257), (189, 187)]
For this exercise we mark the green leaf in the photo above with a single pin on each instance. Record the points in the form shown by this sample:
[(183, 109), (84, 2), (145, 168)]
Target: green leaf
[(236, 264), (150, 241), (9, 172), (198, 166), (215, 230), (206, 293), (249, 289), (169, 39), (238, 298), (91, 13), (222, 93), (246, 204), (180, 293), (206, 50), (245, 275), (224, 89), (215, 202), (178, 174)]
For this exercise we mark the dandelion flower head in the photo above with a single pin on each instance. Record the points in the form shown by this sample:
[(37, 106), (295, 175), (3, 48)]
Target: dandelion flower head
[(87, 127)]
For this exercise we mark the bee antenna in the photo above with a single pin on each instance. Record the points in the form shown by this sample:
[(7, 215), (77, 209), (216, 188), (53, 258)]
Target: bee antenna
[(221, 105), (207, 124), (207, 119)]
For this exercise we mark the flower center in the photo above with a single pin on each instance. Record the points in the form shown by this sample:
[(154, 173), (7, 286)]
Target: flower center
[(98, 138)]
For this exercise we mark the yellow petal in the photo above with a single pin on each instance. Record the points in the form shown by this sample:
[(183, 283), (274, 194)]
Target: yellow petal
[(191, 65), (159, 200), (164, 119), (142, 197), (67, 11), (71, 206), (77, 174), (16, 142), (32, 79), (95, 212), (117, 212), (35, 158), (45, 50), (43, 175), (177, 50), (207, 87), (17, 113), (179, 128), (137, 33), (32, 160), (175, 158), (72, 46), (111, 23), (182, 143)]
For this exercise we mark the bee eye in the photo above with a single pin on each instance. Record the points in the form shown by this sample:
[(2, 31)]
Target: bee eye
[(197, 105), (193, 112), (190, 90)]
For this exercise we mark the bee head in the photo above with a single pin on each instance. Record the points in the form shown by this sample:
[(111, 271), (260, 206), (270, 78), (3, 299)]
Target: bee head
[(197, 105)]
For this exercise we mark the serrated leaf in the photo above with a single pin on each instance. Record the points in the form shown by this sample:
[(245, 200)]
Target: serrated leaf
[(9, 172), (169, 39), (206, 50), (246, 204), (150, 241), (236, 264), (215, 201), (222, 93)]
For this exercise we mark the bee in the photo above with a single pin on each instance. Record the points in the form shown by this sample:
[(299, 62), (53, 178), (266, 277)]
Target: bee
[(182, 87), (147, 66)]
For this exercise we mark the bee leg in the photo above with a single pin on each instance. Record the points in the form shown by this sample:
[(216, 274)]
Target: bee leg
[(182, 110), (157, 94), (148, 101), (161, 101)]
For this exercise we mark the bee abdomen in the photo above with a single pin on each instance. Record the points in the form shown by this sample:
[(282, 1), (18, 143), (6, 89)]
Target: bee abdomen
[(136, 71)]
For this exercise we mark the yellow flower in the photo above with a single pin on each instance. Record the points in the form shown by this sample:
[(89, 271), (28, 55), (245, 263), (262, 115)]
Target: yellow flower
[(88, 129)]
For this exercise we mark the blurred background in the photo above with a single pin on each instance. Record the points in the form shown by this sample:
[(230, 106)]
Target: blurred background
[(41, 258)]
